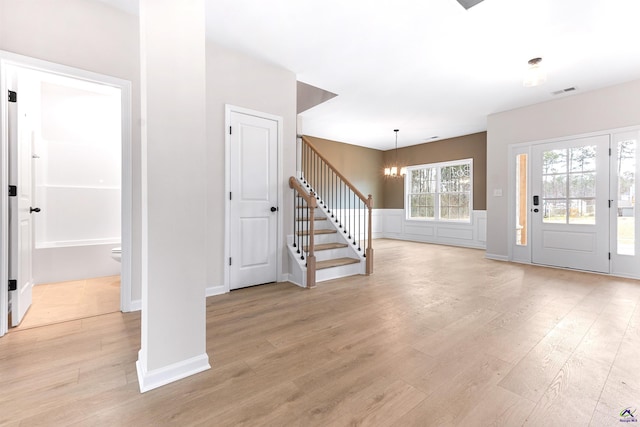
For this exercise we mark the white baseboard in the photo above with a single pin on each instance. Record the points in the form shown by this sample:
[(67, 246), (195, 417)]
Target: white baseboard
[(150, 380), (136, 305), (215, 290), (496, 257), (285, 277)]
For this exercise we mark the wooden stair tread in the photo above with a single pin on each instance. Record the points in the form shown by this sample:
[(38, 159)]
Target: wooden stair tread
[(317, 218), (317, 231), (335, 263), (326, 246)]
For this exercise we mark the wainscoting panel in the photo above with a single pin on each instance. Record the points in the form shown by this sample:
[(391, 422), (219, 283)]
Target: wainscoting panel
[(392, 224), (419, 230)]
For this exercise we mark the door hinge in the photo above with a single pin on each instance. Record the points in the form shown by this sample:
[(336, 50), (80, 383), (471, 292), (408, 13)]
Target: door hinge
[(13, 96), (230, 132), (229, 195), (609, 151), (13, 285), (609, 204), (13, 191), (609, 255), (229, 260)]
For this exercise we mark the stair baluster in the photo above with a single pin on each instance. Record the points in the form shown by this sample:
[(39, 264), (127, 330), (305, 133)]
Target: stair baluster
[(344, 204), (308, 212)]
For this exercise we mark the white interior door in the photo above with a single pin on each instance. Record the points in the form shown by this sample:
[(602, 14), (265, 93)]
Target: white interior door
[(570, 204), (253, 202), (20, 210)]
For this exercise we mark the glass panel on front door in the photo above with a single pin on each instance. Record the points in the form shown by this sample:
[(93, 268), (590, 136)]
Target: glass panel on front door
[(568, 190)]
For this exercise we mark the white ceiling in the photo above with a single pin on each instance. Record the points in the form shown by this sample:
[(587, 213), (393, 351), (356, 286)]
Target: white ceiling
[(429, 67)]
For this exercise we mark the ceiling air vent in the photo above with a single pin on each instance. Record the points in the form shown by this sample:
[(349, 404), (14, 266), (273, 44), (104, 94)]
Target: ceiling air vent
[(565, 90), (468, 3)]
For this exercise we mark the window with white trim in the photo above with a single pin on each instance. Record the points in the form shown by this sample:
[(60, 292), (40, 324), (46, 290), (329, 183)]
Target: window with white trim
[(440, 191)]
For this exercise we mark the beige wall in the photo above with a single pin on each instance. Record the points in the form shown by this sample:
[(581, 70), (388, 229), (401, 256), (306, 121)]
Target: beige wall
[(362, 166), (605, 109), (472, 146), (365, 166)]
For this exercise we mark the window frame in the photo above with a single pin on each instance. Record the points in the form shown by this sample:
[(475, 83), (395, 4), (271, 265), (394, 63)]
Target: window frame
[(437, 166)]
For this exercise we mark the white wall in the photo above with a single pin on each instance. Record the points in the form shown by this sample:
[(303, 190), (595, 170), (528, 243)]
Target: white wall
[(106, 40), (52, 265), (78, 168), (242, 81), (609, 108), (173, 343), (91, 36)]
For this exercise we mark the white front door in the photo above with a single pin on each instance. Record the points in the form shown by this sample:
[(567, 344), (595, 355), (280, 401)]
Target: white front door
[(570, 203), (253, 204), (20, 209)]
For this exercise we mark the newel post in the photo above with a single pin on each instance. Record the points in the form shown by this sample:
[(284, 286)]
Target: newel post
[(369, 252), (311, 258)]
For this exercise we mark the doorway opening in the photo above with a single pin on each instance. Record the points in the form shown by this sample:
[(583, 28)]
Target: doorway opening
[(76, 179), (71, 144)]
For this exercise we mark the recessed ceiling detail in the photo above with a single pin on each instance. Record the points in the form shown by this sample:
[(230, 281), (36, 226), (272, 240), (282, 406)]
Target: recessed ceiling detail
[(469, 3), (309, 96)]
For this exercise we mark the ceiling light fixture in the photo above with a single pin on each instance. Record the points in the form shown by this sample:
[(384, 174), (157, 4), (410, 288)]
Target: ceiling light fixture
[(392, 171), (535, 74)]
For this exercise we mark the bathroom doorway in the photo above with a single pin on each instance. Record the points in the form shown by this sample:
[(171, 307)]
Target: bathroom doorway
[(77, 127), (76, 140)]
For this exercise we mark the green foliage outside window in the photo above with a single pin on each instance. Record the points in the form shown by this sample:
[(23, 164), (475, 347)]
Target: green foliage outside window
[(440, 192)]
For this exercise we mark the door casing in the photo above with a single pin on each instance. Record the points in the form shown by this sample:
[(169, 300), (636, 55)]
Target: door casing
[(227, 186), (524, 254), (7, 60), (572, 245)]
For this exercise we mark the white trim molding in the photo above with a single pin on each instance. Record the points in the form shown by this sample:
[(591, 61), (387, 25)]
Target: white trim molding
[(148, 380), (497, 257), (392, 224), (136, 305), (228, 110), (8, 60), (211, 291)]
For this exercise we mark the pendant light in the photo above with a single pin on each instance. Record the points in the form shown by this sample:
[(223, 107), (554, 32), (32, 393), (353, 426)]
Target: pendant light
[(392, 171), (535, 74)]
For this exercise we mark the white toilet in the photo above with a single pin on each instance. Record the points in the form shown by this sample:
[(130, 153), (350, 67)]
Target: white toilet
[(116, 253)]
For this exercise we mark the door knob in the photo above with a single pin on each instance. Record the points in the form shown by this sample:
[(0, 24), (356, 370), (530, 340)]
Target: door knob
[(32, 210), (273, 209)]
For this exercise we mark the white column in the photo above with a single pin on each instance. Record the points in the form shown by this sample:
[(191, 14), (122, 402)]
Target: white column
[(172, 57)]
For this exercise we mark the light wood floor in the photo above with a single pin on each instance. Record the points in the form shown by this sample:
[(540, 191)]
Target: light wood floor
[(437, 336), (64, 301)]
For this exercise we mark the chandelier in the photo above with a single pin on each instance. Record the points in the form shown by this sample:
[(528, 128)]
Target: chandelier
[(392, 171)]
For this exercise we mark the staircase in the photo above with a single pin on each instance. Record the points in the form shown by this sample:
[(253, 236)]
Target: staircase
[(332, 223)]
